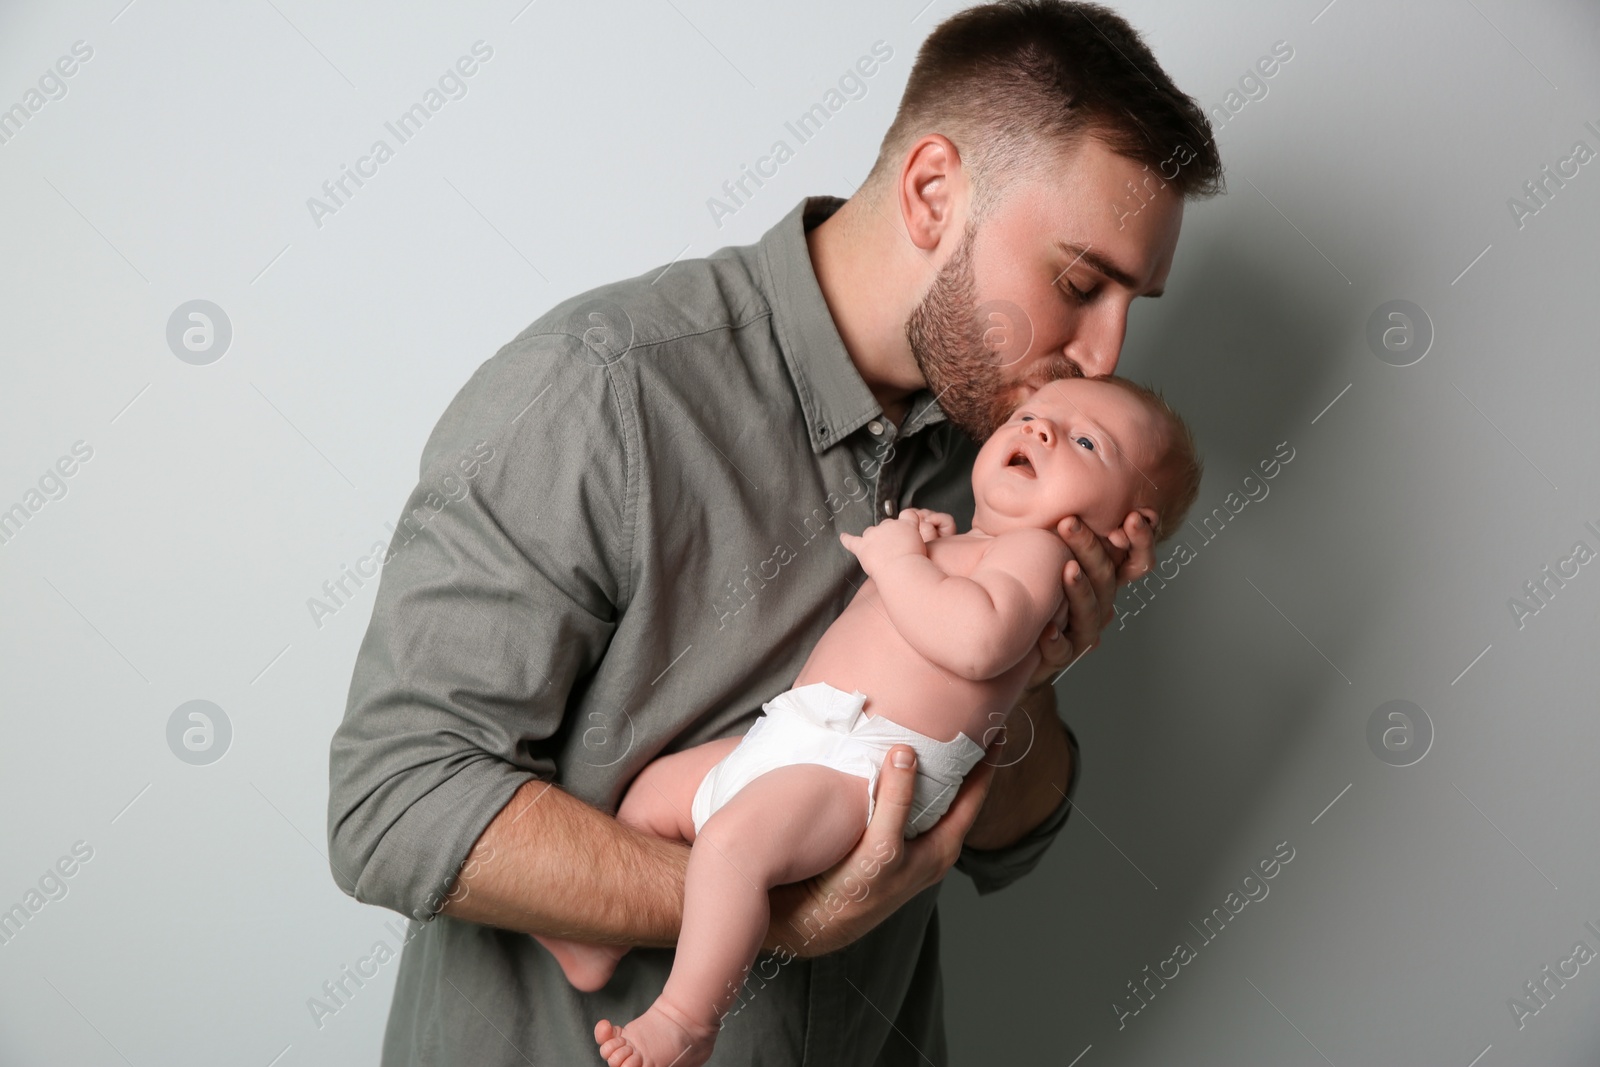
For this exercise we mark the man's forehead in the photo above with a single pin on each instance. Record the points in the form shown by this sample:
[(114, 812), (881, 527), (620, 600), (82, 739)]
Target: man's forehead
[(1077, 206)]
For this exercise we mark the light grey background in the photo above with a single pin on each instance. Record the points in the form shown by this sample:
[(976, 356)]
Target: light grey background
[(1226, 717)]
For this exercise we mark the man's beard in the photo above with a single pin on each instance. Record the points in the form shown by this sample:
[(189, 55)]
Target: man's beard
[(946, 334)]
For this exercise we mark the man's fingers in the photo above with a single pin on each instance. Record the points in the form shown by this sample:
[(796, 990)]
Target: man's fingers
[(1098, 567), (1055, 655), (1141, 548), (892, 807), (1088, 550), (1083, 612)]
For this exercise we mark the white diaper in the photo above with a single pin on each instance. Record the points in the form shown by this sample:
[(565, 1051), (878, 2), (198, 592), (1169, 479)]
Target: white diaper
[(819, 723)]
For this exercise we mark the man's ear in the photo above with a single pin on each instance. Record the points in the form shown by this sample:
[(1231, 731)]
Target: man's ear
[(930, 184)]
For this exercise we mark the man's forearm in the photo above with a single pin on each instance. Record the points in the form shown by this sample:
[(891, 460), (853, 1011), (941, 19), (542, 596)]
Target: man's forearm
[(1026, 788), (550, 864)]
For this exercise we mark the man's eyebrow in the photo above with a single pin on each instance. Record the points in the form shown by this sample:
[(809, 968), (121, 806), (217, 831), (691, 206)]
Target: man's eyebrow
[(1103, 265)]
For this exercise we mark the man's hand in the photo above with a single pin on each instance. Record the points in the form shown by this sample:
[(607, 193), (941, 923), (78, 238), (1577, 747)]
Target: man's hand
[(1091, 577), (830, 910), (931, 524), (888, 540)]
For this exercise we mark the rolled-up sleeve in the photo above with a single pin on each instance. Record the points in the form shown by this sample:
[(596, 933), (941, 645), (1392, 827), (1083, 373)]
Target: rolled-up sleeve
[(499, 591), (993, 869)]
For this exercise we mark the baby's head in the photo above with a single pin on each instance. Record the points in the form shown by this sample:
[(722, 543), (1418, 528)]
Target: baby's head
[(1097, 448)]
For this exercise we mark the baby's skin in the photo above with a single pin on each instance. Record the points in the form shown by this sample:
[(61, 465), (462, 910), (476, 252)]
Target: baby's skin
[(942, 637)]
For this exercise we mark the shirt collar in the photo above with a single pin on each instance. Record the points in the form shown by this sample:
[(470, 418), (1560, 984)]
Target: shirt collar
[(833, 396)]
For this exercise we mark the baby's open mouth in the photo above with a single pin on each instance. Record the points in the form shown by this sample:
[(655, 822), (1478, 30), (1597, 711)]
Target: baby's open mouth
[(1020, 459)]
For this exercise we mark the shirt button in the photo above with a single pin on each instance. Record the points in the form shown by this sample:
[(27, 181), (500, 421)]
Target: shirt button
[(888, 508), (876, 428)]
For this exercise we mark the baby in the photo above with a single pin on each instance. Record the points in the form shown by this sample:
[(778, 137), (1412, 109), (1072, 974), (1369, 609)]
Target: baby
[(937, 645)]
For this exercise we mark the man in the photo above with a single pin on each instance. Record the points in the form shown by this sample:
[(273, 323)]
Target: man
[(645, 548)]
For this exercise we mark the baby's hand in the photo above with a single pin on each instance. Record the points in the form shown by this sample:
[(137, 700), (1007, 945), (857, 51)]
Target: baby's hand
[(888, 540), (931, 524)]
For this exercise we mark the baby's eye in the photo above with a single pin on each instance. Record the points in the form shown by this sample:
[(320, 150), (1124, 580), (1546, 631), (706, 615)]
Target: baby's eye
[(1024, 418), (1085, 442)]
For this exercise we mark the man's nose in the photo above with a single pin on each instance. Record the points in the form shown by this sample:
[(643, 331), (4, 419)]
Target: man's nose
[(1097, 344)]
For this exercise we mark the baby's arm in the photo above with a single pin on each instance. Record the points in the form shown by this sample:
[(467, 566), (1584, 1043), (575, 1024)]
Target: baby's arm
[(977, 627)]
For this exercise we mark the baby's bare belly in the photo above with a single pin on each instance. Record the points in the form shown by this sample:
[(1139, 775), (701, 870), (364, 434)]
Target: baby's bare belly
[(863, 651)]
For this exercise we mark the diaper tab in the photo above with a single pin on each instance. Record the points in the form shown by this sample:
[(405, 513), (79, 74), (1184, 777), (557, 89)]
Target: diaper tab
[(822, 704)]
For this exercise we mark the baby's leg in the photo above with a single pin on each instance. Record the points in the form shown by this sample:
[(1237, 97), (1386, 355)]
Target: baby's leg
[(657, 802), (660, 798), (787, 825)]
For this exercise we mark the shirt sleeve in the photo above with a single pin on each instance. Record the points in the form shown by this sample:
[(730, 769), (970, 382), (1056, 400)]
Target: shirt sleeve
[(993, 869), (499, 591)]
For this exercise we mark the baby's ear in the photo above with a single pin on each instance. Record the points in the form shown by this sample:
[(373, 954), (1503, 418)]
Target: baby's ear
[(1151, 516)]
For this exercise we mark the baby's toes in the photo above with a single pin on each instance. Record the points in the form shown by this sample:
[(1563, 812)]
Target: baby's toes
[(609, 1037), (624, 1056)]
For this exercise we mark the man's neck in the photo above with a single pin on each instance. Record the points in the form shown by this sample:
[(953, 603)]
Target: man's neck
[(870, 273)]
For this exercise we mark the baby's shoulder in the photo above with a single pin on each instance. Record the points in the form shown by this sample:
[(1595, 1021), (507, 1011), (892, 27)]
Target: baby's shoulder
[(1029, 536), (1026, 546)]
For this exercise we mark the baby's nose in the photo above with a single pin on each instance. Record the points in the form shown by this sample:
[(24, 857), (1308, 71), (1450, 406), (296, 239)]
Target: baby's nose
[(1038, 427)]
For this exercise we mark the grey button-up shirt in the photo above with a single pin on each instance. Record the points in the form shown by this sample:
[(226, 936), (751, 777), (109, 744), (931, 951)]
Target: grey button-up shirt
[(623, 541)]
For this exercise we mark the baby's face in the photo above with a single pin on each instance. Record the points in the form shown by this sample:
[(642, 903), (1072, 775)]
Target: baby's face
[(1074, 447)]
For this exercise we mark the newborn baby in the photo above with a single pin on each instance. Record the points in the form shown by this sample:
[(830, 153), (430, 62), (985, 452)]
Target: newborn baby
[(935, 647)]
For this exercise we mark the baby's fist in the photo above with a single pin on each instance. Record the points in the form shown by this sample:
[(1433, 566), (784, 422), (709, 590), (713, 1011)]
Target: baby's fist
[(931, 524), (888, 540)]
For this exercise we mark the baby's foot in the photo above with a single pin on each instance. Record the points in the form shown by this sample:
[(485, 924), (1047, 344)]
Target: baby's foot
[(661, 1037), (587, 967)]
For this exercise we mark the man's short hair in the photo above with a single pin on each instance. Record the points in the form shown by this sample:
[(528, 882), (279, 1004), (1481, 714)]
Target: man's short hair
[(1012, 84)]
